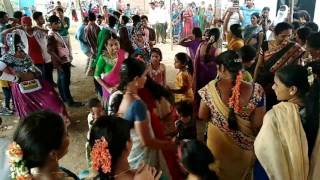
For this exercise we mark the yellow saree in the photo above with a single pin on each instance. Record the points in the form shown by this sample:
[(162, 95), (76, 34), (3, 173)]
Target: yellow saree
[(232, 149)]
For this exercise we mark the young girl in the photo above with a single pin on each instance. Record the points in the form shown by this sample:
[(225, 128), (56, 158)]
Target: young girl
[(157, 70), (183, 82)]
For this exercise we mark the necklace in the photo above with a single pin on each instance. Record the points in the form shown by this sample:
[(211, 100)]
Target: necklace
[(122, 173)]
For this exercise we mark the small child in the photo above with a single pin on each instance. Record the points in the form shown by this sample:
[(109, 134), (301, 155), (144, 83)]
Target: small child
[(183, 82), (157, 70), (96, 111), (248, 56), (185, 125)]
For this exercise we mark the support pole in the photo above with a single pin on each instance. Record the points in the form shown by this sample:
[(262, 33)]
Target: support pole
[(291, 11), (171, 25)]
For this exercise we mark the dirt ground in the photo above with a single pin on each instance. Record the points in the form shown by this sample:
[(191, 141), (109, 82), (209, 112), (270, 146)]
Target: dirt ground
[(82, 89)]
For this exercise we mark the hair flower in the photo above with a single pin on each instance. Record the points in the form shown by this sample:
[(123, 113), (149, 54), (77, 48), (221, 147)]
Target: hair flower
[(101, 157), (18, 168), (14, 152), (234, 101)]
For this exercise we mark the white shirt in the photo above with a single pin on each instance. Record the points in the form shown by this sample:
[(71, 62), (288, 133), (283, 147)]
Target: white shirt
[(163, 15), (153, 17)]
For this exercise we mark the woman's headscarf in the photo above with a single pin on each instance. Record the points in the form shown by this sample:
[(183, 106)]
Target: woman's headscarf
[(281, 15)]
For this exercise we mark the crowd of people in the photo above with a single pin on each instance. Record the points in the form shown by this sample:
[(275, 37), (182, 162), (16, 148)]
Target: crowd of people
[(249, 110)]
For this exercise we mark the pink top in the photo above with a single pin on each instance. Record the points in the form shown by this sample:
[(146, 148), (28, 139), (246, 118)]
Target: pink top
[(158, 75)]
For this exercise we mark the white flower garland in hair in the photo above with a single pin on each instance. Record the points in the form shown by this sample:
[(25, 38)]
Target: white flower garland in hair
[(310, 76), (18, 168)]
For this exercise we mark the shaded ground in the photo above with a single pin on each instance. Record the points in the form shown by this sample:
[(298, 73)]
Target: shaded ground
[(82, 89)]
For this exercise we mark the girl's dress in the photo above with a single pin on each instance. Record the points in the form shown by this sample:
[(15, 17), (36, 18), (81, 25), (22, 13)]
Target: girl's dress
[(182, 78)]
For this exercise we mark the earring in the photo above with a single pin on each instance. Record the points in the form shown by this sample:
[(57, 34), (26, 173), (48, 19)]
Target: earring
[(291, 93)]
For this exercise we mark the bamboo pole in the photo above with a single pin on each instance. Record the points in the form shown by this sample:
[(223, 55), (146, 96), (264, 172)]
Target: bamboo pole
[(291, 11), (171, 25)]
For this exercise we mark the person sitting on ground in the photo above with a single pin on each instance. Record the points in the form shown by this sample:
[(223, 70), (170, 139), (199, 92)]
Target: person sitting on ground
[(185, 125), (39, 142), (111, 145), (197, 160)]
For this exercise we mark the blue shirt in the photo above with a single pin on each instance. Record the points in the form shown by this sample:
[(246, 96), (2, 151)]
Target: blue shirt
[(80, 36), (246, 12)]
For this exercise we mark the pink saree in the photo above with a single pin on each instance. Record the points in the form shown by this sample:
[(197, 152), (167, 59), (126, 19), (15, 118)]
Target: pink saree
[(113, 77)]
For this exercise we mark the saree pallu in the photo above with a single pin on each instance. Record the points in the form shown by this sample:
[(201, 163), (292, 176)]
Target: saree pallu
[(45, 98), (159, 128), (281, 145), (203, 74), (112, 79), (275, 60), (233, 150)]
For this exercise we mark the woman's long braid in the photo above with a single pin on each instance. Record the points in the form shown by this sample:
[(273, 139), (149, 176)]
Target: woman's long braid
[(232, 120)]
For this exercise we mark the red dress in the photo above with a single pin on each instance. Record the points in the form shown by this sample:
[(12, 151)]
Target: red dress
[(188, 23), (158, 129)]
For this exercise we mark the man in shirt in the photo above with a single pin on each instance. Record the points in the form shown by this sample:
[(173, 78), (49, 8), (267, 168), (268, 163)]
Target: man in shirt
[(64, 30), (150, 34), (91, 34), (43, 42), (128, 11), (80, 36), (163, 17), (247, 11), (153, 15), (59, 52)]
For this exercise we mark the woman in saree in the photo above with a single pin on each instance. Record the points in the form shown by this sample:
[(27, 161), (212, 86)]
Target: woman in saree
[(176, 22), (29, 92), (146, 147), (202, 10), (108, 65), (205, 68), (188, 21), (159, 102), (234, 109), (275, 54), (208, 17), (251, 32), (288, 144)]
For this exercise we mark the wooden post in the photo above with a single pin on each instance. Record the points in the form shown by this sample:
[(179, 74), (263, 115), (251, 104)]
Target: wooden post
[(291, 11), (171, 25)]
